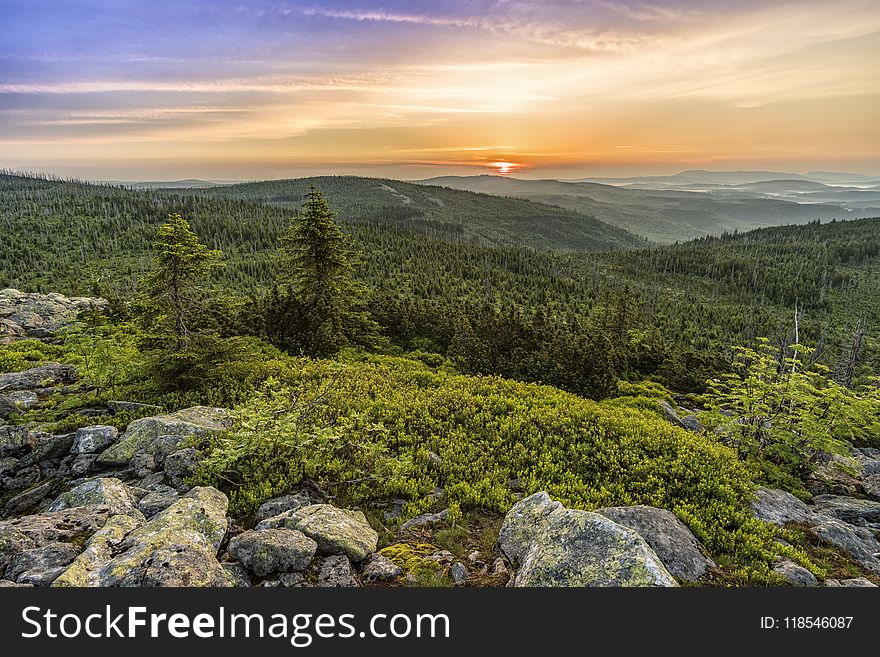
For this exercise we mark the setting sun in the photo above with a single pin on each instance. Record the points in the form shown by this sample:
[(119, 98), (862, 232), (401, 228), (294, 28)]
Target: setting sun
[(503, 168)]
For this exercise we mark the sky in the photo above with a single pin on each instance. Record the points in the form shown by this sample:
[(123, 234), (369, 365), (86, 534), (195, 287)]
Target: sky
[(169, 89)]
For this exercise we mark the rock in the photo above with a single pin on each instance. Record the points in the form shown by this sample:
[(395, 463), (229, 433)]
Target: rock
[(856, 582), (12, 543), (794, 574), (336, 572), (106, 491), (147, 435), (98, 552), (143, 464), (39, 315), (25, 477), (8, 464), (29, 499), (156, 501), (40, 566), (74, 525), (19, 400), (836, 474), (499, 569), (43, 376), (779, 507), (517, 532), (5, 583), (555, 546), (131, 407), (181, 464), (692, 423), (7, 407), (871, 486), (16, 440), (426, 519), (395, 509), (858, 542), (83, 464), (379, 568), (278, 505), (849, 509), (91, 440), (670, 414), (48, 447), (336, 531), (238, 574), (669, 537), (459, 573), (178, 547), (267, 551), (287, 580)]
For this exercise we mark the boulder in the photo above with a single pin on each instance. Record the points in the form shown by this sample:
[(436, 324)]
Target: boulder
[(336, 572), (669, 537), (871, 486), (836, 474), (178, 547), (43, 376), (82, 464), (98, 551), (92, 440), (379, 568), (16, 440), (425, 519), (180, 465), (106, 491), (336, 531), (156, 501), (278, 505), (40, 566), (459, 573), (555, 546), (794, 574), (267, 551), (75, 525), (779, 507), (150, 435), (849, 509), (858, 542), (30, 498), (855, 582)]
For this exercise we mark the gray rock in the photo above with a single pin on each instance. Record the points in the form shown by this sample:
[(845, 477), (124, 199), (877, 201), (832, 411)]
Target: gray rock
[(143, 465), (41, 565), (794, 574), (178, 547), (379, 568), (836, 474), (49, 447), (555, 546), (7, 465), (25, 477), (670, 414), (83, 464), (91, 440), (157, 501), (7, 407), (849, 509), (39, 315), (336, 531), (7, 584), (779, 507), (858, 542), (669, 537), (692, 423), (287, 580), (856, 582), (147, 435), (99, 550), (181, 464), (278, 505), (237, 573), (30, 498), (16, 440), (426, 519), (106, 491), (336, 572), (21, 400), (267, 551), (395, 509), (459, 573), (43, 376), (75, 526), (871, 486)]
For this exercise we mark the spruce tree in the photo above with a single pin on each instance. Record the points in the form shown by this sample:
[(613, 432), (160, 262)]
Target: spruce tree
[(325, 303)]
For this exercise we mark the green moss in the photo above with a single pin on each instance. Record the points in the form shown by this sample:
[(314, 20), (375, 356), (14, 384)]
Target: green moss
[(411, 557)]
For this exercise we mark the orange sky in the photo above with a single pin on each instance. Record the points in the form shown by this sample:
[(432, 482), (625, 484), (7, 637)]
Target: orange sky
[(561, 89)]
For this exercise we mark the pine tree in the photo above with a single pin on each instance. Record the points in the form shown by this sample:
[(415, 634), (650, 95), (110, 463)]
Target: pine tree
[(326, 305), (182, 263)]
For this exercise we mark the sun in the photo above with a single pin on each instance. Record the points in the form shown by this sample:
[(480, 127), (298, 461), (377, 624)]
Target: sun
[(502, 168)]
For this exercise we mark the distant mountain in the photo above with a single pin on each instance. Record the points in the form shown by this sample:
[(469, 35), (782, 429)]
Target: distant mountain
[(440, 212), (188, 183), (685, 206)]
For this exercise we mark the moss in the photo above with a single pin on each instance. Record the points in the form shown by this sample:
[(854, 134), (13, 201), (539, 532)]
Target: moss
[(412, 558)]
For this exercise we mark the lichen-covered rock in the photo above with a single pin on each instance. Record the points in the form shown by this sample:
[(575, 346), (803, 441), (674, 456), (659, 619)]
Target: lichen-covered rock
[(518, 531), (16, 440), (267, 551), (794, 574), (156, 501), (425, 519), (849, 509), (336, 531), (566, 547), (871, 486), (779, 507), (30, 498), (147, 435), (82, 464), (238, 574), (836, 474), (278, 505), (178, 547), (33, 314), (856, 582), (75, 525), (669, 537), (40, 566), (106, 491), (336, 572), (181, 464), (380, 568), (459, 573), (859, 542), (98, 551), (91, 440)]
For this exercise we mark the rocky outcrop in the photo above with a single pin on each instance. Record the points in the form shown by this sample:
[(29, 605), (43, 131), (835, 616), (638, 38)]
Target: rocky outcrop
[(267, 551), (32, 315), (669, 537), (555, 546), (780, 508)]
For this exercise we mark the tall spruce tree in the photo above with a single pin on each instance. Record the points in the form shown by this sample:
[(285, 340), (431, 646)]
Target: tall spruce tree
[(325, 304), (181, 265)]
